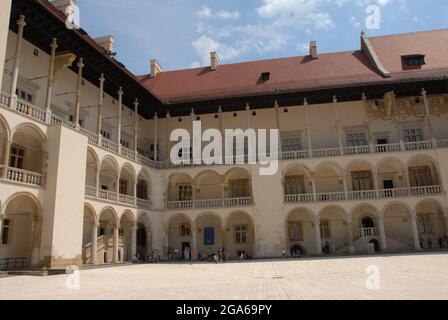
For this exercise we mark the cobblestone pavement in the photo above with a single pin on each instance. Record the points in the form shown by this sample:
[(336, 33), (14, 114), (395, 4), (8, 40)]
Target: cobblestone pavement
[(417, 276)]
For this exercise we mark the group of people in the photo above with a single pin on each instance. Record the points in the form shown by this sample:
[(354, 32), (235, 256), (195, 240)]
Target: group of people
[(150, 257)]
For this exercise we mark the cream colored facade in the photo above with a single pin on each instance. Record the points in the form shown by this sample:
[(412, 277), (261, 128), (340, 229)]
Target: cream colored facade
[(71, 196)]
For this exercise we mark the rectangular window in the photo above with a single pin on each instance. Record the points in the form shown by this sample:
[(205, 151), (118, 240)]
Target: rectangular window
[(325, 230), (424, 224), (413, 135), (16, 158), (105, 134), (185, 192), (362, 180), (123, 186), (239, 188), (296, 231), (294, 185), (184, 229), (241, 234), (420, 176), (292, 143), (355, 139), (5, 232)]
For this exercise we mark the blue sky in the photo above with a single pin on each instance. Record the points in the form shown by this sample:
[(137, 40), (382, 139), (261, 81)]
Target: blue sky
[(181, 33)]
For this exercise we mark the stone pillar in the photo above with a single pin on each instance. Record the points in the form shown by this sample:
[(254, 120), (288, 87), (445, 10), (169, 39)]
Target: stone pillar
[(382, 231), (344, 182), (338, 125), (376, 183), (78, 92), (308, 128), (318, 238), (224, 237), (116, 243), (133, 241), (415, 233), (313, 185), (428, 115), (446, 223), (15, 72), (99, 118), (2, 217), (351, 244), (5, 160), (94, 247), (194, 244), (156, 144), (167, 135), (120, 106), (50, 79), (136, 126)]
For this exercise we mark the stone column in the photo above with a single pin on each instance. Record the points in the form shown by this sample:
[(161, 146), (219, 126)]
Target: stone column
[(415, 233), (382, 231), (344, 182), (376, 183), (313, 185), (318, 238), (2, 217), (78, 92), (428, 115), (224, 236), (116, 244), (133, 241), (94, 247), (308, 128), (338, 125), (5, 160), (156, 144), (99, 118), (15, 73), (50, 80), (446, 223), (120, 106), (194, 245), (136, 127), (351, 244)]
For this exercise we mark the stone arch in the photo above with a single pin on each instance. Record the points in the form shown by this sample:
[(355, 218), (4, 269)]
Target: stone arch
[(208, 185), (328, 177), (432, 222), (22, 228), (391, 173), (92, 167), (210, 233), (416, 171), (109, 173), (300, 231), (240, 234), (179, 235)]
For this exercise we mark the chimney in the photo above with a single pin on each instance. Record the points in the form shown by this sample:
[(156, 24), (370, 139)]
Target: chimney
[(214, 59), (155, 68), (107, 42), (313, 50), (62, 5)]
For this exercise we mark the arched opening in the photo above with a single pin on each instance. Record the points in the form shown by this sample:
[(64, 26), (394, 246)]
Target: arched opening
[(376, 245), (333, 230), (27, 155), (398, 227), (431, 224), (108, 178), (143, 186), (127, 227), (237, 184), (89, 227), (21, 231), (240, 235), (391, 175), (179, 237), (297, 181), (208, 186), (91, 168), (300, 231), (422, 172), (360, 177), (210, 235), (329, 180), (107, 223), (365, 222), (144, 237), (180, 191), (127, 181)]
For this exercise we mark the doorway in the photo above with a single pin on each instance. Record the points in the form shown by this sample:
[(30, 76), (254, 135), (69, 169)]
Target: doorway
[(367, 222), (186, 245)]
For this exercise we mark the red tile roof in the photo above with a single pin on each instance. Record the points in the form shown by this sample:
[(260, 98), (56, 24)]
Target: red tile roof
[(302, 73)]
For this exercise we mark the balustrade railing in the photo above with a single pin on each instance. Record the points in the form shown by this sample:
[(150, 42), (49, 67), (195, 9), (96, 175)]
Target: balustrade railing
[(24, 177), (364, 194), (111, 196), (210, 203)]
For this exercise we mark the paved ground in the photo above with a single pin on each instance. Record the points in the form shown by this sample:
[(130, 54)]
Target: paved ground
[(401, 277)]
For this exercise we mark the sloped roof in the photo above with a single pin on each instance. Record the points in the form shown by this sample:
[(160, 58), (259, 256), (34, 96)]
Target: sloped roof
[(303, 73)]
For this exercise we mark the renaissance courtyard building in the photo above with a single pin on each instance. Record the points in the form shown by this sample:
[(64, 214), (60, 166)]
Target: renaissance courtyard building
[(84, 149)]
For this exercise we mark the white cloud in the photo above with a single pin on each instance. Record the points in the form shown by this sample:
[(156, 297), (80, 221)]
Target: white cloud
[(206, 12), (205, 44)]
